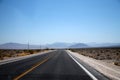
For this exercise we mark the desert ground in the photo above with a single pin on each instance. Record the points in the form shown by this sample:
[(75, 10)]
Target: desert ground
[(111, 55), (11, 53)]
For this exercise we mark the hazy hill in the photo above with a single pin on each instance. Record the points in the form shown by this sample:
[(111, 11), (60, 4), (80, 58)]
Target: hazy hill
[(104, 44), (59, 45), (79, 45), (17, 46)]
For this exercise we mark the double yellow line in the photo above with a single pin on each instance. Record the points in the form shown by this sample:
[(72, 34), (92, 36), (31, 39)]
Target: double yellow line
[(29, 70)]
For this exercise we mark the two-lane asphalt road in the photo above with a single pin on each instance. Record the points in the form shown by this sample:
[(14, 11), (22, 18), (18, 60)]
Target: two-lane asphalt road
[(56, 65)]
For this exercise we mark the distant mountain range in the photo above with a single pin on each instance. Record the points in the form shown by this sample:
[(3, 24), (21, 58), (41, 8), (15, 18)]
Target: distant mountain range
[(104, 44), (79, 45), (18, 46), (57, 45)]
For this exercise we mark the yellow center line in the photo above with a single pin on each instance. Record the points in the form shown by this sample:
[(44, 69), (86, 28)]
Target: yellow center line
[(29, 70)]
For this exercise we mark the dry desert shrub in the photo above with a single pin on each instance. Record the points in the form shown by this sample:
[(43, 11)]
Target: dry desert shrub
[(7, 53), (101, 53)]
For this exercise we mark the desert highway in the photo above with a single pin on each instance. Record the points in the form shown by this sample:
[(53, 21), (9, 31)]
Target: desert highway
[(56, 65)]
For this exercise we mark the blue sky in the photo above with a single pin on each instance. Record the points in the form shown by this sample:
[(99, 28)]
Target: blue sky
[(49, 21)]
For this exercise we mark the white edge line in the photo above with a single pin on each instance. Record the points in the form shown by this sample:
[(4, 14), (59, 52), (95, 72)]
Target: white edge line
[(91, 75)]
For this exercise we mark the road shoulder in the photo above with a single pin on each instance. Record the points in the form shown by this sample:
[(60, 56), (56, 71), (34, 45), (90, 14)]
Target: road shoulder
[(108, 70)]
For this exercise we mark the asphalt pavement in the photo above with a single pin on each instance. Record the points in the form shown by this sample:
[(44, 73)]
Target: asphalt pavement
[(56, 65)]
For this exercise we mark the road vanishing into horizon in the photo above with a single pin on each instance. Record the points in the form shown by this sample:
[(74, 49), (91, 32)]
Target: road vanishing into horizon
[(55, 65)]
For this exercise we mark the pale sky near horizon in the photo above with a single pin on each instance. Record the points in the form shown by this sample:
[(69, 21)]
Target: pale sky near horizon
[(49, 21)]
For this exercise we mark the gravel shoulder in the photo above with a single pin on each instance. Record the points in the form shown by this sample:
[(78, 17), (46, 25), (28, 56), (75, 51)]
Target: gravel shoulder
[(105, 67)]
